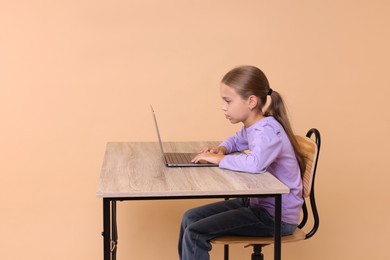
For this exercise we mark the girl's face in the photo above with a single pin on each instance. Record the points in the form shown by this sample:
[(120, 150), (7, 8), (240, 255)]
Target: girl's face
[(234, 107)]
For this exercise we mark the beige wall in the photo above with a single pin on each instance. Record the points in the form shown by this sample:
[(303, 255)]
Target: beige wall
[(76, 74)]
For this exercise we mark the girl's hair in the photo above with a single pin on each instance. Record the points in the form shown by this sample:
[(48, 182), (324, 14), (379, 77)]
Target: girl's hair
[(249, 80)]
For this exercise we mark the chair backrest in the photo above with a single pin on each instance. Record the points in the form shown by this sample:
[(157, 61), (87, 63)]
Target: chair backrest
[(311, 150)]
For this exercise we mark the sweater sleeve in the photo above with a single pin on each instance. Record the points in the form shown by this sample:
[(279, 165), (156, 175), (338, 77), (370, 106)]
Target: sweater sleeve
[(237, 142), (264, 146)]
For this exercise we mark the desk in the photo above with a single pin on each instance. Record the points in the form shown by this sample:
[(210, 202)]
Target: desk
[(135, 171)]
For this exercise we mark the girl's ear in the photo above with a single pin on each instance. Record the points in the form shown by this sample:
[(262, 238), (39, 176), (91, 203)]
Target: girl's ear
[(253, 102)]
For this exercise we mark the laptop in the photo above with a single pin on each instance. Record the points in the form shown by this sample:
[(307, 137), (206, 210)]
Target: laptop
[(178, 159)]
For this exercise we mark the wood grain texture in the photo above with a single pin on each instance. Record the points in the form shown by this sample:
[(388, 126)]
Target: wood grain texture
[(310, 150), (296, 236), (137, 170)]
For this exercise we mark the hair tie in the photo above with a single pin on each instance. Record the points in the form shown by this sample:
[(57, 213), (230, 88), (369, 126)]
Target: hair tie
[(269, 92)]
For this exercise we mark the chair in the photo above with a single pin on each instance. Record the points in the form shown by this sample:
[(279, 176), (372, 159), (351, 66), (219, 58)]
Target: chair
[(311, 149)]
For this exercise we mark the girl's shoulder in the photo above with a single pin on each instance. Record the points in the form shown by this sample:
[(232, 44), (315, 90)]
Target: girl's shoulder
[(268, 124)]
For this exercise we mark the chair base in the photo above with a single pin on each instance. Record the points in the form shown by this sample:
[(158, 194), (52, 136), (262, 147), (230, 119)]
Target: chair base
[(257, 242), (257, 254)]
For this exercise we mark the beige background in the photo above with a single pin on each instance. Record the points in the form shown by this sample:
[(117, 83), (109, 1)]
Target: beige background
[(76, 74)]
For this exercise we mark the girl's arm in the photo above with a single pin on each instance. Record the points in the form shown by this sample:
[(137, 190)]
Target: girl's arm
[(238, 142), (264, 149)]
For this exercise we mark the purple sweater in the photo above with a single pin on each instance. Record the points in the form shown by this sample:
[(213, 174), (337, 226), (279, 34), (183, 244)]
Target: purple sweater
[(270, 150)]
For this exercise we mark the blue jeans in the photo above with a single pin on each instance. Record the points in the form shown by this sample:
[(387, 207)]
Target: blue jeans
[(230, 217)]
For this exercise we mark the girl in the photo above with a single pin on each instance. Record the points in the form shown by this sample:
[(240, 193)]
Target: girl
[(267, 133)]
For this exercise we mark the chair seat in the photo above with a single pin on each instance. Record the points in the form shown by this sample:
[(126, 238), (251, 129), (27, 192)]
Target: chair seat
[(296, 236)]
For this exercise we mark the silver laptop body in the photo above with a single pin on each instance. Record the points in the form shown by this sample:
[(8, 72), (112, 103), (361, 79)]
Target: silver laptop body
[(178, 159)]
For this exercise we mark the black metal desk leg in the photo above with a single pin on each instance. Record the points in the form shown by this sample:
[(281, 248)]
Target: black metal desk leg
[(278, 224), (106, 229), (114, 235), (110, 234)]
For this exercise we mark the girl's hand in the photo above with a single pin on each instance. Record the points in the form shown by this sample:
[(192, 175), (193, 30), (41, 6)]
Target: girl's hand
[(209, 157), (213, 149)]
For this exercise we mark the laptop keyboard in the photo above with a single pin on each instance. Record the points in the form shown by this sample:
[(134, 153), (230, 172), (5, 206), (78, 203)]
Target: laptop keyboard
[(179, 158)]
